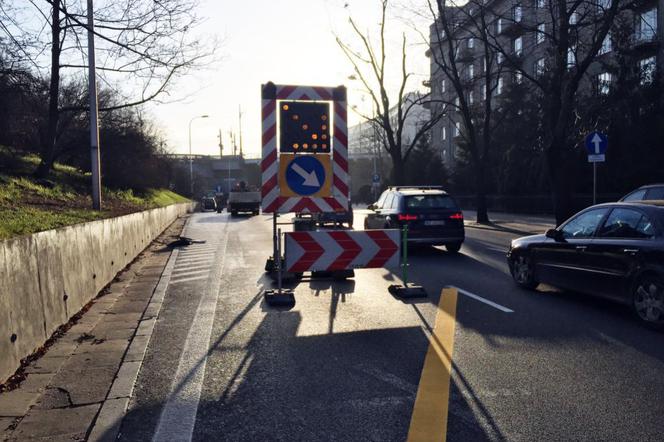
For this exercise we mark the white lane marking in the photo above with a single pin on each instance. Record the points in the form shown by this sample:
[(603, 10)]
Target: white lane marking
[(181, 269), (190, 260), (502, 308), (187, 272), (196, 254), (178, 416), (193, 278)]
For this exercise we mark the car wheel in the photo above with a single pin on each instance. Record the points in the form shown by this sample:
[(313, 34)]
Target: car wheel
[(648, 301), (522, 271), (453, 247)]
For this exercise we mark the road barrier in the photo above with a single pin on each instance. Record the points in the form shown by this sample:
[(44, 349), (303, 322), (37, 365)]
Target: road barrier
[(47, 277), (341, 250)]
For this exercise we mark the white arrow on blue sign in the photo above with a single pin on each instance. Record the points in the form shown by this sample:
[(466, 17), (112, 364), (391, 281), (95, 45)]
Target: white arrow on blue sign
[(596, 143), (305, 175)]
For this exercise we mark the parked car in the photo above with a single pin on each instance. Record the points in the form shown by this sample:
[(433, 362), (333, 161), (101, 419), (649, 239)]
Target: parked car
[(208, 203), (649, 192), (432, 215), (613, 250)]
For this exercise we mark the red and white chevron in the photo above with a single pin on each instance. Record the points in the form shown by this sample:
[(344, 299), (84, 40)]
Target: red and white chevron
[(341, 250), (271, 199)]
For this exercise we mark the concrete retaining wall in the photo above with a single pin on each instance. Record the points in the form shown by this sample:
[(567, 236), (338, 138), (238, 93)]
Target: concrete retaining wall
[(48, 277)]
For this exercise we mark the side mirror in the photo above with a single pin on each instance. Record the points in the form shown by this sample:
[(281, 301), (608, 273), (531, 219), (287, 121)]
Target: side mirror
[(554, 234), (371, 206)]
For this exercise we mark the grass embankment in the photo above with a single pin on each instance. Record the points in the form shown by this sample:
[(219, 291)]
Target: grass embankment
[(29, 205)]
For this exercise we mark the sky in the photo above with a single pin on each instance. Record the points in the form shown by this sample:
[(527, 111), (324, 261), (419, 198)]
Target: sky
[(283, 41)]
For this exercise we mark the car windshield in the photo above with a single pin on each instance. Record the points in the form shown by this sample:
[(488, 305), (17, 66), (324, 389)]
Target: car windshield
[(428, 202)]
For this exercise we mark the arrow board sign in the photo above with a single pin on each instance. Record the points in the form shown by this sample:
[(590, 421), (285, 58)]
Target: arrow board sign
[(341, 250)]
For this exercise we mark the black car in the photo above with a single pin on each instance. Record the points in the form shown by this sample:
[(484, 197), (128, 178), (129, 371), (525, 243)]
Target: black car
[(433, 217), (613, 250), (649, 192)]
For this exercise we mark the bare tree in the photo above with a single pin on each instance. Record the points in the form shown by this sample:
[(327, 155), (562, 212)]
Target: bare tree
[(467, 62), (393, 112), (571, 33), (143, 45)]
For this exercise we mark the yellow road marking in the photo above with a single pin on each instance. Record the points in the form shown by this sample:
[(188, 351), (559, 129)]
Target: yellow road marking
[(429, 419)]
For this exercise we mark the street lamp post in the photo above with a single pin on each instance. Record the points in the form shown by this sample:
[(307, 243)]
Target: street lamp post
[(191, 160)]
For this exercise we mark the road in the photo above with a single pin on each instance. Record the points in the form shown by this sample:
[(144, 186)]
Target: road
[(346, 363)]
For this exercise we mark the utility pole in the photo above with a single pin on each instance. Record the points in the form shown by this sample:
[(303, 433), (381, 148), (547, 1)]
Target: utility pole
[(240, 115), (221, 145), (94, 111)]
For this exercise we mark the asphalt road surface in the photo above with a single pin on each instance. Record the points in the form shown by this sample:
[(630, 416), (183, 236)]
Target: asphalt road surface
[(351, 363)]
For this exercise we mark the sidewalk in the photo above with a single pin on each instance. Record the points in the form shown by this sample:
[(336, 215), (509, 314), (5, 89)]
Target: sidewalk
[(514, 223), (82, 384)]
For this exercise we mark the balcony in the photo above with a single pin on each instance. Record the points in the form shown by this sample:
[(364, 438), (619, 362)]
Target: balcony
[(644, 42), (512, 28), (466, 54)]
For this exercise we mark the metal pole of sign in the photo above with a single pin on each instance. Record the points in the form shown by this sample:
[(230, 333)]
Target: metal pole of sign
[(404, 267), (94, 121), (279, 269), (594, 183), (275, 251)]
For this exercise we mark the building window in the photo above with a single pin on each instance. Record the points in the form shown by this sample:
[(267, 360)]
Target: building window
[(499, 57), (646, 25), (471, 71), (517, 13), (444, 133), (603, 83), (483, 91), (603, 5), (571, 56), (456, 101), (499, 86), (499, 26), (484, 65), (573, 18), (518, 46), (540, 66), (470, 97), (606, 45), (457, 129), (471, 43), (541, 4), (518, 77), (647, 67), (541, 29), (442, 86)]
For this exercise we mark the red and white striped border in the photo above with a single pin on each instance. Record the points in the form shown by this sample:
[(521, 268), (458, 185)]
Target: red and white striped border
[(271, 199), (331, 250)]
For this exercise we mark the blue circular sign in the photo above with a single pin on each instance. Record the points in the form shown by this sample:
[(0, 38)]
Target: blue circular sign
[(305, 175), (375, 178), (596, 143)]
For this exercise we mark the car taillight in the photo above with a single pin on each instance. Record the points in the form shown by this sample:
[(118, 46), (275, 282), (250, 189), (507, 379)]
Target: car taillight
[(407, 217), (457, 215)]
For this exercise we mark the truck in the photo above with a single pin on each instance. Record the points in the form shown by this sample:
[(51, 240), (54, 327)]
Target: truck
[(243, 199)]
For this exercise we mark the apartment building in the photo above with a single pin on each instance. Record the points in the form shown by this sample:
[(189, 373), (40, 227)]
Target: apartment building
[(523, 30), (365, 139)]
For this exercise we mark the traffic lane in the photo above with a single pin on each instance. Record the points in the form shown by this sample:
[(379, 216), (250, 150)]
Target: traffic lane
[(191, 272), (557, 357), (343, 364)]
